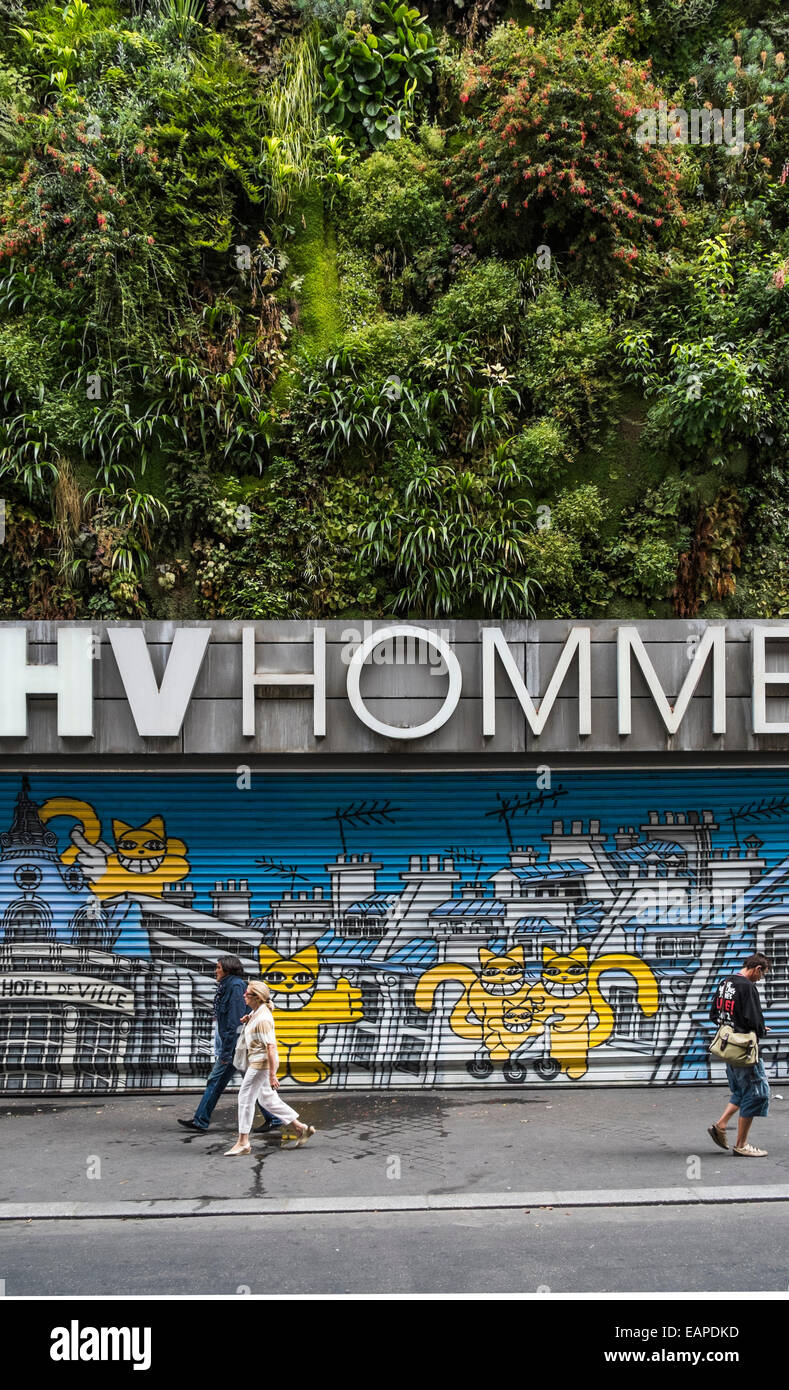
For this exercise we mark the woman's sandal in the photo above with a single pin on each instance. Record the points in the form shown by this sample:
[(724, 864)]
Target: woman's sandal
[(238, 1153), (308, 1133)]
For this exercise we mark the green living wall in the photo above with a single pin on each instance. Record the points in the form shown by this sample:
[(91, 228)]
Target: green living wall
[(309, 311)]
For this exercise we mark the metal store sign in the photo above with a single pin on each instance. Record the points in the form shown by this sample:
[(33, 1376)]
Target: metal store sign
[(521, 920), (504, 686)]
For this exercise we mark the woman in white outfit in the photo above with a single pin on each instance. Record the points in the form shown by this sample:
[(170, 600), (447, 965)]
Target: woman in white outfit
[(260, 1079)]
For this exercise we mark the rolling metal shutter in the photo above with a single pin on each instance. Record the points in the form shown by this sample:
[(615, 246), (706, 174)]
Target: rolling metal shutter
[(416, 928)]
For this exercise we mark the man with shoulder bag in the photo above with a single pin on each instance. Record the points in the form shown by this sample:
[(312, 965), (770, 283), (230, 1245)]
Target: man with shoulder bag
[(737, 1011)]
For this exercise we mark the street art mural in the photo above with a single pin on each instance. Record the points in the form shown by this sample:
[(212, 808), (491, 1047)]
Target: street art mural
[(145, 859), (415, 929), (301, 1011), (502, 1008), (569, 986), (494, 1009)]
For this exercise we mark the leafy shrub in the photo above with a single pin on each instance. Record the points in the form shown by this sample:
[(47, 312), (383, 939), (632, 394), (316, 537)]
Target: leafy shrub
[(540, 452), (571, 584), (601, 15), (394, 200), (580, 512), (119, 196), (375, 76), (644, 566), (551, 155), (453, 403), (358, 288), (711, 397), (432, 139), (642, 561), (11, 12), (251, 562), (763, 587), (330, 14), (584, 575), (667, 31), (343, 579), (455, 538), (393, 347), (749, 74), (15, 100), (485, 300), (393, 208), (68, 226), (566, 367), (718, 376)]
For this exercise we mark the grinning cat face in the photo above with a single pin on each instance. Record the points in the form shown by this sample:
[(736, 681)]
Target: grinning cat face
[(565, 976), (517, 1019), (292, 980), (140, 851), (502, 975)]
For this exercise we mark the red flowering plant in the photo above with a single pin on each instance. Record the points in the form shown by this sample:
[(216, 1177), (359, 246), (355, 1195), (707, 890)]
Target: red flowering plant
[(76, 234), (552, 155)]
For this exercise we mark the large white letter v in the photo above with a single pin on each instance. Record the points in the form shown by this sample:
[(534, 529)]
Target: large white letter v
[(159, 710)]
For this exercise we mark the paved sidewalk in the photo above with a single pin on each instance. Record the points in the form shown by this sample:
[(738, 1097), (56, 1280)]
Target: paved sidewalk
[(376, 1150)]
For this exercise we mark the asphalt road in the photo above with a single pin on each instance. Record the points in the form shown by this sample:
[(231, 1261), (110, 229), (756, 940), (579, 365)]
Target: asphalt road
[(616, 1250)]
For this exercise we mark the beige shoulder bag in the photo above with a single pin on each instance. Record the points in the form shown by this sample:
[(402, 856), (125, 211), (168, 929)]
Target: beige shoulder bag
[(738, 1049)]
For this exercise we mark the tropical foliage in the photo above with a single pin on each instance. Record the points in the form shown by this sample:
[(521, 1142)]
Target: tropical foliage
[(374, 76), (310, 308)]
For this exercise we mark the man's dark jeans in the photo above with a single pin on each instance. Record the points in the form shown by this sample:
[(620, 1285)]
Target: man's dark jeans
[(221, 1076)]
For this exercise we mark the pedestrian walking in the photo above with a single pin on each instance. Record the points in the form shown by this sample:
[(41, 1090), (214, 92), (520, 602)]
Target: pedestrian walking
[(229, 1009), (737, 1003), (260, 1082)]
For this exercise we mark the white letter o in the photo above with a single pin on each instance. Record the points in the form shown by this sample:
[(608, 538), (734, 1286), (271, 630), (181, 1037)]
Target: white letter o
[(354, 677)]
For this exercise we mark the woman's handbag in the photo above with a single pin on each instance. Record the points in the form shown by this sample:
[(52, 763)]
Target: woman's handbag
[(738, 1049), (240, 1056)]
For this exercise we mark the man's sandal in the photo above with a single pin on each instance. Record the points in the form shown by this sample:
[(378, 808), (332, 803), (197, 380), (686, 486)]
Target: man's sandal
[(748, 1151), (718, 1136)]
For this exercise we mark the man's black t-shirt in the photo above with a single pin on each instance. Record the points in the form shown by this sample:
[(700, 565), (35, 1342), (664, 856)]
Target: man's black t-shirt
[(737, 1002)]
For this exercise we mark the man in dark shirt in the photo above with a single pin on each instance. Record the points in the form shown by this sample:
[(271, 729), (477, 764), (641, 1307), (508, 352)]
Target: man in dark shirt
[(737, 1002)]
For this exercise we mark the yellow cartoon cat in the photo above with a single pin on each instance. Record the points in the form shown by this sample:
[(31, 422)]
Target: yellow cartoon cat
[(495, 1007), (568, 987), (300, 1010), (144, 859)]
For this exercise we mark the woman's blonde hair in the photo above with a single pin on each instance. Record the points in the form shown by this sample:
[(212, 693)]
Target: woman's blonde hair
[(261, 989)]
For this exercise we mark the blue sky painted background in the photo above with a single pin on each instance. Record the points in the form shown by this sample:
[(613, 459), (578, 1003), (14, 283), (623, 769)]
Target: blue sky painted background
[(290, 817)]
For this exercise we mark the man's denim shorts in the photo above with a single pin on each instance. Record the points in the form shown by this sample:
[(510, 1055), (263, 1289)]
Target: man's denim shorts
[(750, 1091)]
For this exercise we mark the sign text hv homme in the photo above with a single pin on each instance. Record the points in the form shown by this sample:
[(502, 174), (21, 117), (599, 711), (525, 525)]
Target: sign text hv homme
[(158, 709)]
